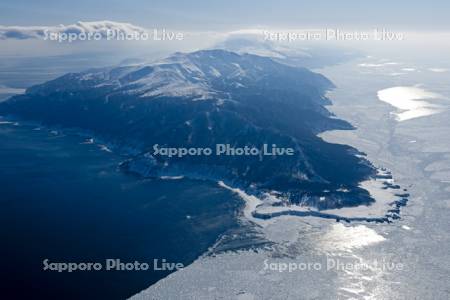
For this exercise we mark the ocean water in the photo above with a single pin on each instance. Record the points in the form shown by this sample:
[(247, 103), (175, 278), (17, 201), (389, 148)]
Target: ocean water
[(66, 201), (410, 101)]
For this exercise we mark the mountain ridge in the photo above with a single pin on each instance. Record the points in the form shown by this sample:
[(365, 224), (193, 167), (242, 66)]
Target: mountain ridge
[(204, 98)]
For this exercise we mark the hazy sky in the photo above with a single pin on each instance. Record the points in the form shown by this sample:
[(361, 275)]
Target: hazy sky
[(232, 14)]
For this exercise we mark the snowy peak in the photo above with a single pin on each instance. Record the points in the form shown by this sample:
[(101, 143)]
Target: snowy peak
[(254, 101), (201, 75)]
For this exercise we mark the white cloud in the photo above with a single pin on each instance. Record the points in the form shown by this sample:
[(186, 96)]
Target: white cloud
[(10, 90), (438, 70), (39, 32)]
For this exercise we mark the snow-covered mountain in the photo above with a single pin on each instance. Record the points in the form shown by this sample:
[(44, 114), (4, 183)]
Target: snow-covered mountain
[(198, 75), (205, 98)]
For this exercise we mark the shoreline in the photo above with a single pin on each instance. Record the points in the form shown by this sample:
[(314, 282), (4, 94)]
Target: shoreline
[(298, 239)]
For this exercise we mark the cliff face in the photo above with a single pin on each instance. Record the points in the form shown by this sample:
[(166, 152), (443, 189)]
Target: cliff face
[(206, 98)]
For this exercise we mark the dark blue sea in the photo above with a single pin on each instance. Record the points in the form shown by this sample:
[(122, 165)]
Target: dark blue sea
[(66, 201)]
